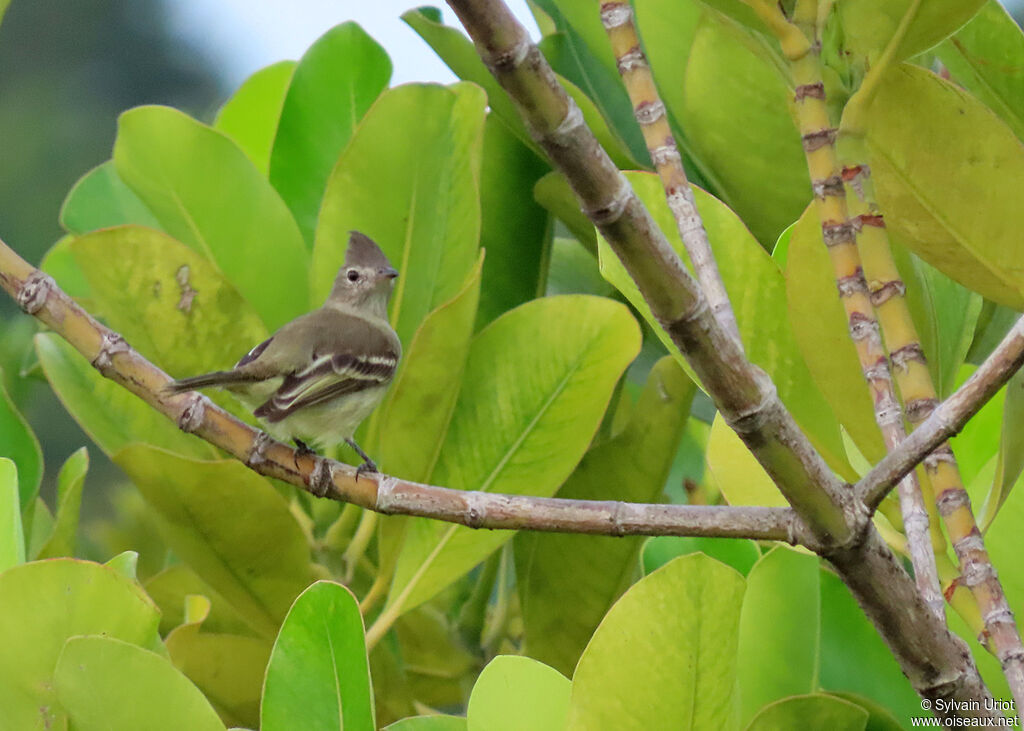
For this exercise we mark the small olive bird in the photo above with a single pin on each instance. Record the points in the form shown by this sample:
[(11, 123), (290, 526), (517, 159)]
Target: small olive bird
[(319, 376)]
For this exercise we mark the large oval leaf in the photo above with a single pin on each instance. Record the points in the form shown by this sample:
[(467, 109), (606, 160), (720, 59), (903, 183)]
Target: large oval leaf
[(100, 199), (567, 583), (626, 679), (226, 548), (948, 173), (206, 193), (810, 711), (105, 683), (318, 676), (20, 445), (779, 626), (515, 693), (986, 57), (169, 302), (869, 25), (537, 382), (336, 81), (250, 117), (12, 535), (44, 604), (756, 289), (409, 179)]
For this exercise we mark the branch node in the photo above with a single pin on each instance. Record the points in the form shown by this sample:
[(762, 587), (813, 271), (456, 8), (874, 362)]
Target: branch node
[(632, 60), (512, 58), (832, 186), (882, 292), (852, 284), (34, 291), (909, 353), (110, 345), (258, 452), (836, 234), (809, 91), (667, 154), (321, 478), (949, 501), (615, 14), (976, 573), (612, 211), (193, 413), (618, 530), (862, 327), (647, 113), (816, 140), (918, 409)]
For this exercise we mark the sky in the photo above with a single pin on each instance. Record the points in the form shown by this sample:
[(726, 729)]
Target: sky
[(241, 36)]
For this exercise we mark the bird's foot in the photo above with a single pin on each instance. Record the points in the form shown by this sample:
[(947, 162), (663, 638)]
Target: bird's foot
[(302, 450), (368, 464)]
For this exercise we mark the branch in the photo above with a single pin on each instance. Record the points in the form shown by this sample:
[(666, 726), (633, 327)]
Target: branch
[(938, 665), (38, 294), (652, 117), (839, 237), (947, 419)]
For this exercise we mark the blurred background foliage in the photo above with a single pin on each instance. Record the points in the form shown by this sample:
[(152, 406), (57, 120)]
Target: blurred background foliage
[(66, 71)]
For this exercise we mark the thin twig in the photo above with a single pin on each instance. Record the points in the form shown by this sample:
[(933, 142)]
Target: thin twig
[(947, 419), (652, 117), (39, 295)]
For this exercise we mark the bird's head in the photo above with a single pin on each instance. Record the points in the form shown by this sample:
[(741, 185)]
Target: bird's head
[(367, 278)]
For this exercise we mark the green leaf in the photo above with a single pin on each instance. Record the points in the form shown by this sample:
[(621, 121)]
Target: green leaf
[(515, 693), (59, 262), (735, 471), (227, 668), (105, 683), (413, 420), (567, 583), (100, 199), (409, 180), (250, 117), (125, 563), (318, 676), (47, 602), (553, 192), (169, 302), (1011, 451), (226, 548), (822, 333), (206, 193), (626, 679), (574, 270), (69, 499), (853, 658), (112, 416), (536, 384), (21, 447), (741, 554), (986, 57), (335, 83), (779, 627), (869, 25), (429, 723), (514, 228), (461, 57), (170, 588), (12, 536), (756, 289), (810, 711), (728, 90), (923, 162)]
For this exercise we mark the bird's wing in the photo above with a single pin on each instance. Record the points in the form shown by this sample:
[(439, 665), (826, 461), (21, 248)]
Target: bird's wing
[(327, 378)]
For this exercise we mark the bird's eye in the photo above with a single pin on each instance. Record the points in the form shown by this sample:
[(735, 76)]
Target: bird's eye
[(353, 275)]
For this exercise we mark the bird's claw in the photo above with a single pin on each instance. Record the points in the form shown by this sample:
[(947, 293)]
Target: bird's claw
[(367, 466)]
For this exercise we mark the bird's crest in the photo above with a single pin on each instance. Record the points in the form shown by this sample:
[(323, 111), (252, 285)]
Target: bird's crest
[(364, 253)]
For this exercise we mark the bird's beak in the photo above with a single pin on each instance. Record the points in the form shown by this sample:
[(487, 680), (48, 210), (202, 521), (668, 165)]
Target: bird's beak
[(388, 272)]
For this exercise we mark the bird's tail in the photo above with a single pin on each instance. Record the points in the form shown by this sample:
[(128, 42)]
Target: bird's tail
[(217, 378)]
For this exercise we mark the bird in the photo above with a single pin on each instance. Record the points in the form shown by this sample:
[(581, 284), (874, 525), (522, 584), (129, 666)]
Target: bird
[(319, 376)]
